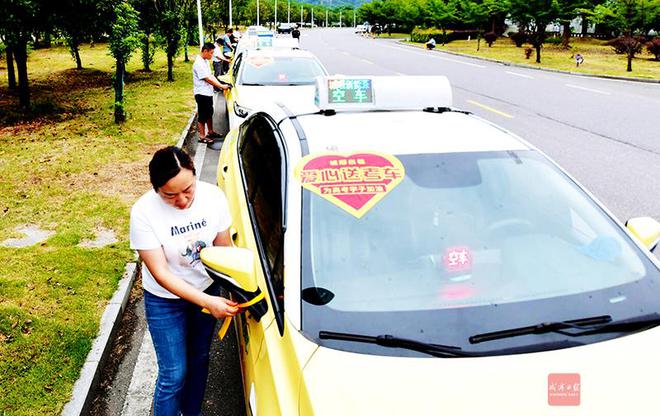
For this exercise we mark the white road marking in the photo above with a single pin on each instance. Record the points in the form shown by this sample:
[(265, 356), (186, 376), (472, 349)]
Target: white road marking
[(345, 53), (367, 61), (433, 55), (587, 89), (140, 392), (401, 74), (519, 75)]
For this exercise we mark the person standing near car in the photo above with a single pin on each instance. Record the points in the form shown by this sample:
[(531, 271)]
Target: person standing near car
[(218, 57), (203, 83), (227, 49), (169, 227)]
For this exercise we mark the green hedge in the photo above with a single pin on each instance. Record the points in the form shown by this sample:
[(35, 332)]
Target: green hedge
[(423, 35)]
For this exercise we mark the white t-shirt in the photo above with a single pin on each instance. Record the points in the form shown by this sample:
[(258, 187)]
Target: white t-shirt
[(217, 53), (182, 233), (202, 70)]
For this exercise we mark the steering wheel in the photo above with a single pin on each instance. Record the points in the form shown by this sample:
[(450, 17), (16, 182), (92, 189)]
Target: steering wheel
[(509, 223)]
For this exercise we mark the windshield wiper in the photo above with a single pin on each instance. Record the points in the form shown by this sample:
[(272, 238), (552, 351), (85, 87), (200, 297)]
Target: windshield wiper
[(436, 350), (250, 84), (575, 328)]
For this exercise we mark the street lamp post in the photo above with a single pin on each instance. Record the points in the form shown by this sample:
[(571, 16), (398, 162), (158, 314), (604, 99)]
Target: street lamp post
[(301, 15), (288, 13), (275, 14), (312, 17), (340, 18), (257, 12), (231, 23), (354, 17), (199, 23), (326, 17)]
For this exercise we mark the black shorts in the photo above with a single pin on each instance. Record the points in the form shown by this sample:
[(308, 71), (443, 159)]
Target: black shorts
[(204, 107)]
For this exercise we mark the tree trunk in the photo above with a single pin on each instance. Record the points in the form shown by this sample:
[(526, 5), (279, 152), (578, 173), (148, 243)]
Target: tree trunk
[(538, 54), (76, 52), (478, 40), (170, 67), (47, 39), (585, 24), (120, 115), (566, 38), (631, 54), (20, 54), (11, 73), (145, 53), (185, 47)]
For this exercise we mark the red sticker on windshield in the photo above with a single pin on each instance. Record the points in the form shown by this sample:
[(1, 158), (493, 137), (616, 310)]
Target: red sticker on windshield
[(259, 61), (354, 183), (458, 259)]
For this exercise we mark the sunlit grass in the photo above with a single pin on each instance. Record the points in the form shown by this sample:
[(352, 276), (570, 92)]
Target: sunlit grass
[(69, 169), (598, 57)]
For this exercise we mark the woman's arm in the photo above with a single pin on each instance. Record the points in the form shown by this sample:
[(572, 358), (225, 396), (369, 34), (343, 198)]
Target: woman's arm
[(157, 264)]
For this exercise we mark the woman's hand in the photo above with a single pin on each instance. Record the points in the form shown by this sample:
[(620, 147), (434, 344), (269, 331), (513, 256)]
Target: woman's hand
[(220, 307)]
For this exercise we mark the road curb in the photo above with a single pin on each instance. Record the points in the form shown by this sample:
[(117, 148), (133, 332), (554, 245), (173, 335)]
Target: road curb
[(184, 133), (89, 375), (558, 71)]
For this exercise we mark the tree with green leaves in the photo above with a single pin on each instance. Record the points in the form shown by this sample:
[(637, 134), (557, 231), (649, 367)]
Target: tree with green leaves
[(536, 15), (170, 18), (441, 14), (627, 17), (18, 21), (79, 21), (124, 39), (148, 24), (475, 14)]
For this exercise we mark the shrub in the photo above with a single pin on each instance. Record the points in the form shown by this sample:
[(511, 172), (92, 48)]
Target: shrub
[(490, 38), (423, 35), (654, 48), (621, 45), (554, 40), (519, 38), (528, 52)]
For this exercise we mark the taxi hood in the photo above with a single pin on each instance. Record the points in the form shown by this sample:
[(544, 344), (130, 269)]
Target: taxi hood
[(298, 98), (618, 376)]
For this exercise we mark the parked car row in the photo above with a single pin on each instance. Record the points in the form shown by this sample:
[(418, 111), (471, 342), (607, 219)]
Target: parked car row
[(417, 259)]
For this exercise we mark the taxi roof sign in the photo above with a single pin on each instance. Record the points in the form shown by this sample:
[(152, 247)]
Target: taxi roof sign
[(382, 92)]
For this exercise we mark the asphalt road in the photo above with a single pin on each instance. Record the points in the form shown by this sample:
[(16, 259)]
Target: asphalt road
[(603, 132)]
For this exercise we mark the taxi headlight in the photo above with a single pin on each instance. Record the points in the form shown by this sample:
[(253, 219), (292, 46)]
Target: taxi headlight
[(242, 112)]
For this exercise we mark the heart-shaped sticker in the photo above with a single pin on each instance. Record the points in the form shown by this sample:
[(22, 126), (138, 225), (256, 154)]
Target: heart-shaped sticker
[(354, 183)]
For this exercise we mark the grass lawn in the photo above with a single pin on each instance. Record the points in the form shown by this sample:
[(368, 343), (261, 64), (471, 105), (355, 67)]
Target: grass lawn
[(70, 170), (598, 57)]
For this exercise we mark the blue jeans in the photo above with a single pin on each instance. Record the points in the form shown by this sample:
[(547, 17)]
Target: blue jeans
[(182, 337)]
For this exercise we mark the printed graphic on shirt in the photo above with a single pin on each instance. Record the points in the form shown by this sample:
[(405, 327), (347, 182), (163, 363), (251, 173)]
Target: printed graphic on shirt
[(192, 253)]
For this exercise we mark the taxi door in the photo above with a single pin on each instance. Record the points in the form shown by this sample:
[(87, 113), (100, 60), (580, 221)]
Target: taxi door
[(249, 173)]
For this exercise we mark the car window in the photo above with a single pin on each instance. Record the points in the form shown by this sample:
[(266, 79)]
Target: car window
[(237, 65), (262, 70), (261, 163)]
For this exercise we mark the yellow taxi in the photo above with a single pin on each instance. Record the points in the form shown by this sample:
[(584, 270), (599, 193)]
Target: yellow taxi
[(399, 256), (281, 74)]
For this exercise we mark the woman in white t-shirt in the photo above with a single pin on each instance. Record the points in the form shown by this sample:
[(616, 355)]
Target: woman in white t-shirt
[(170, 225)]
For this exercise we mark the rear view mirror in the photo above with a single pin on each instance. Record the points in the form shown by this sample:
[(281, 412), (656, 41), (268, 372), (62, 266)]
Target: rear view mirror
[(233, 269), (646, 229)]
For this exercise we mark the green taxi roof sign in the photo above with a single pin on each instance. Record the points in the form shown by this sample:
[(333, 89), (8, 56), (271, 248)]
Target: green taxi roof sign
[(382, 92)]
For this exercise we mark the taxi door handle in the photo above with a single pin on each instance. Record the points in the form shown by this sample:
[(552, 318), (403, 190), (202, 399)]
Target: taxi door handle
[(225, 168), (234, 234)]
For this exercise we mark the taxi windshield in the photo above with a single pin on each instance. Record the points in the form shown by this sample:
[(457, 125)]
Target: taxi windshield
[(470, 243), (265, 70)]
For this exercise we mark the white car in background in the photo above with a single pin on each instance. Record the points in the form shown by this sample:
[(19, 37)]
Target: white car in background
[(280, 75)]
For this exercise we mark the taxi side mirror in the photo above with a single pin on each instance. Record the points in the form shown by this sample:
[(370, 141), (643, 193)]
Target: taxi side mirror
[(233, 269), (646, 229)]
